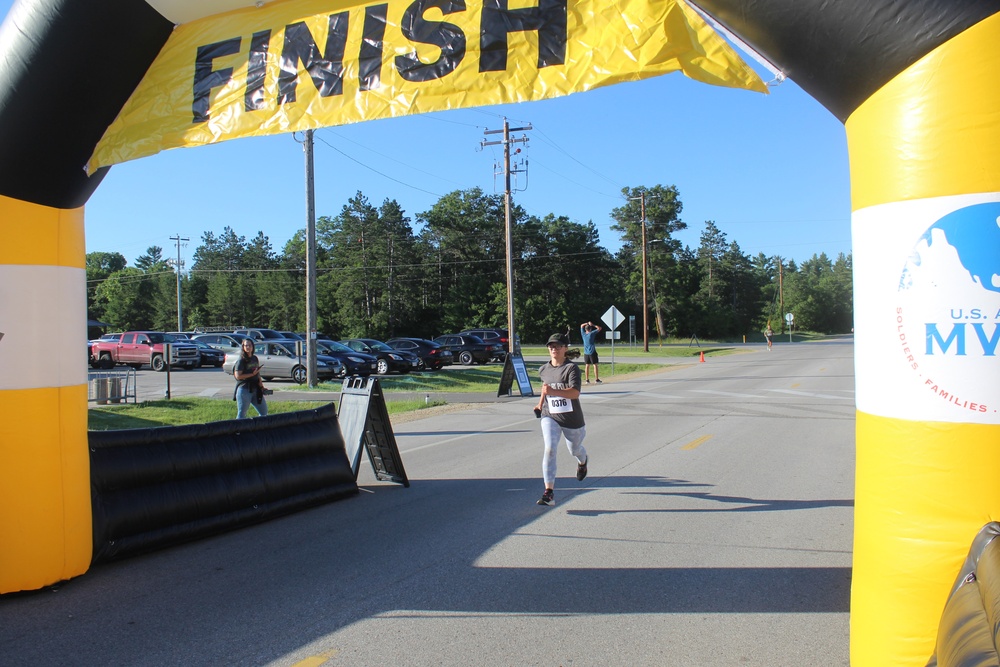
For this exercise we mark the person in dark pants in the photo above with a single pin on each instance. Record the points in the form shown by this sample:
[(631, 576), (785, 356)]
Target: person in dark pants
[(589, 331), (561, 414), (249, 387)]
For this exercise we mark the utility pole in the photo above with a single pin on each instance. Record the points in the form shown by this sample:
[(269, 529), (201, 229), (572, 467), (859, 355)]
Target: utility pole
[(507, 141), (180, 318), (781, 298), (645, 306), (307, 147)]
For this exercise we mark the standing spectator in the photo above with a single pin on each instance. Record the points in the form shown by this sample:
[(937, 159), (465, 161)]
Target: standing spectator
[(768, 335), (589, 331), (561, 414), (249, 387)]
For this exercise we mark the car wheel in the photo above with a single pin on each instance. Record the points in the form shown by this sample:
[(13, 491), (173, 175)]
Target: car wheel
[(382, 367), (300, 375), (105, 361), (465, 358), (157, 363)]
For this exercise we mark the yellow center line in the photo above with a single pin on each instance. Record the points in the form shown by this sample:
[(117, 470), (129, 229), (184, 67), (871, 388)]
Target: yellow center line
[(317, 660), (696, 442)]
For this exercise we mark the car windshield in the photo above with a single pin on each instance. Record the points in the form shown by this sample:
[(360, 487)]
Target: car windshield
[(269, 334), (335, 346), (378, 345)]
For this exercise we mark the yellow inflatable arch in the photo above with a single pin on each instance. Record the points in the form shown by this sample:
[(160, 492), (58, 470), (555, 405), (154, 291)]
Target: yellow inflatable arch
[(84, 86)]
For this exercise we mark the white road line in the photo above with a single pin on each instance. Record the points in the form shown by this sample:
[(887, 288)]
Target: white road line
[(724, 393), (811, 394), (472, 434)]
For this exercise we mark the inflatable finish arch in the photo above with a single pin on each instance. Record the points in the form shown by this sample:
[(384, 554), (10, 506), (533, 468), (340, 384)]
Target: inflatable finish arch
[(913, 81)]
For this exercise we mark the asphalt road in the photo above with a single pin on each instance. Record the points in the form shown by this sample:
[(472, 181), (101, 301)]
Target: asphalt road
[(715, 528)]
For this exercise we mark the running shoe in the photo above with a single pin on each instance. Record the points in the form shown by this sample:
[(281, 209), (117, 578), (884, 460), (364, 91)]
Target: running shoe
[(581, 470), (548, 498)]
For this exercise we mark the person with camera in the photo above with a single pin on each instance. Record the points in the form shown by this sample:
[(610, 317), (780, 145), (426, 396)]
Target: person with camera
[(249, 387)]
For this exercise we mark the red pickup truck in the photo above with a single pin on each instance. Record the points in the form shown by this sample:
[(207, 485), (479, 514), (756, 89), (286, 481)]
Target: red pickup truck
[(138, 348)]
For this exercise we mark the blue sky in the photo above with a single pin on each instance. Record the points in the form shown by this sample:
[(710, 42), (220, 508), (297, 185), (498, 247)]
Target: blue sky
[(770, 170)]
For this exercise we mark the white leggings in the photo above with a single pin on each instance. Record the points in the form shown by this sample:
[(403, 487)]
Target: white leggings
[(551, 431)]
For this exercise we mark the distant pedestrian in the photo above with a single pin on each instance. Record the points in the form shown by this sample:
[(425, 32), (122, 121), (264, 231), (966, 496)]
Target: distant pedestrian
[(589, 331), (249, 387), (768, 335), (560, 412)]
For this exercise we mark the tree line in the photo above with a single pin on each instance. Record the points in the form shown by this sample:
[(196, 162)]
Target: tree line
[(380, 275)]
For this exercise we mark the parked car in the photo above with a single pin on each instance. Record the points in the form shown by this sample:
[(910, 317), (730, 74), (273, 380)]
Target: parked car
[(432, 356), (210, 356), (277, 360), (260, 334), (389, 360), (228, 343), (354, 363), (493, 335), (469, 349)]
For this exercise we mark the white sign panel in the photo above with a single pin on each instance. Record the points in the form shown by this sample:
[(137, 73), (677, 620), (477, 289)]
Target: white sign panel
[(613, 318), (927, 294)]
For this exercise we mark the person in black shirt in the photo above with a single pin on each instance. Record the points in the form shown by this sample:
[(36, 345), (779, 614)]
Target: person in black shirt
[(249, 387)]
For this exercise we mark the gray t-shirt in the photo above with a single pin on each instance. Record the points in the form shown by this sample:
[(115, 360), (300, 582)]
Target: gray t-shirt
[(567, 413)]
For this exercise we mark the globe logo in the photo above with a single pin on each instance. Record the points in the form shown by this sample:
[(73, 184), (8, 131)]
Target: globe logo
[(948, 309)]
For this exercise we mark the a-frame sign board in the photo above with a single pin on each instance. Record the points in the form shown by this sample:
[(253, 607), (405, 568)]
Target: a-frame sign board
[(513, 368), (364, 423)]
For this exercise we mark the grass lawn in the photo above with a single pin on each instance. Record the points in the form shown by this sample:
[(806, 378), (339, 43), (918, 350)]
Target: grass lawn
[(197, 410), (671, 351)]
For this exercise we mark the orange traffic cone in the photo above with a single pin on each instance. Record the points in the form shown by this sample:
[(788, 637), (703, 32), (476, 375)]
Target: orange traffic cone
[(702, 358)]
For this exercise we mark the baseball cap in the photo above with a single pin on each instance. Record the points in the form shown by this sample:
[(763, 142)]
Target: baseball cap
[(559, 339)]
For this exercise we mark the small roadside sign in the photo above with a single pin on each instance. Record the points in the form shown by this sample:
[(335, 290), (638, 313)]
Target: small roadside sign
[(613, 318)]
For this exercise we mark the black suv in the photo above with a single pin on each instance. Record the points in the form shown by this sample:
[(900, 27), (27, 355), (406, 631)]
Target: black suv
[(492, 335), (470, 349)]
